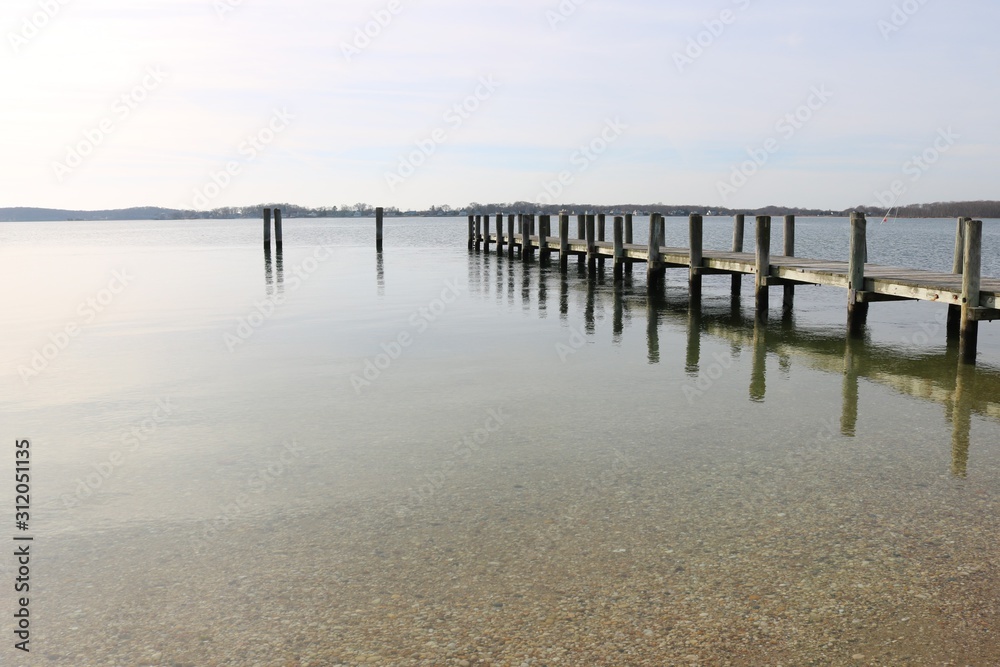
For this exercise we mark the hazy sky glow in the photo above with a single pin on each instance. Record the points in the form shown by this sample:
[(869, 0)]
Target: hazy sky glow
[(116, 103)]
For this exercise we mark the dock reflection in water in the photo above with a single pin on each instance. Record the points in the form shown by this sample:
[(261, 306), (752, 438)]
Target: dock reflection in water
[(963, 391)]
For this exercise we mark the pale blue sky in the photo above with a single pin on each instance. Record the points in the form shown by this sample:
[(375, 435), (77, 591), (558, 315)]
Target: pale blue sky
[(678, 125)]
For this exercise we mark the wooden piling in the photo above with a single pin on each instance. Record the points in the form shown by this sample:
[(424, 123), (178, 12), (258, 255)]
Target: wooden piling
[(696, 256), (378, 226), (277, 229), (267, 228), (954, 325), (479, 231), (788, 251), (601, 224), (628, 239), (654, 265), (544, 224), (581, 233), (857, 310), (971, 277), (763, 266), (739, 222), (563, 241), (472, 231), (510, 235), (486, 232), (591, 245), (619, 231), (525, 238), (499, 233)]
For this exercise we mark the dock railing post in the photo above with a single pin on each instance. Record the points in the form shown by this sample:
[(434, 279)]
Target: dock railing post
[(563, 241), (763, 266), (738, 224), (857, 310), (591, 245), (971, 278), (379, 212), (628, 239), (696, 235), (954, 325), (277, 229), (267, 228), (619, 253), (788, 251)]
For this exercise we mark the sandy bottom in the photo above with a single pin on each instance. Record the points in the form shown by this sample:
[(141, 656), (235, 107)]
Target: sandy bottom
[(629, 558)]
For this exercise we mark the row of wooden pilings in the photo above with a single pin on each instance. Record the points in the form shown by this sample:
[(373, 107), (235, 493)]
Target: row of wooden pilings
[(962, 322)]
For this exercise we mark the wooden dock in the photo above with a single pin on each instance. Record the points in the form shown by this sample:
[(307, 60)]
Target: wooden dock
[(970, 297)]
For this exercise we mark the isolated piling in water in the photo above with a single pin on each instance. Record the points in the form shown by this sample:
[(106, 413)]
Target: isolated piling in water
[(739, 222), (788, 250), (857, 310), (763, 266), (277, 229), (971, 279), (267, 228), (378, 228)]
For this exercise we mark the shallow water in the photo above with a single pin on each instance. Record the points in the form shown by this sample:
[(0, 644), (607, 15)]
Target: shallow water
[(401, 444)]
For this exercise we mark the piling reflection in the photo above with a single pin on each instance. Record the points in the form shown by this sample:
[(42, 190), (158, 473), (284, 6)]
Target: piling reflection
[(964, 392), (279, 266)]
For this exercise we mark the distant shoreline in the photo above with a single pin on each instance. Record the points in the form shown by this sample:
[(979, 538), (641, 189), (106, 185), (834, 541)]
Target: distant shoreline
[(977, 209)]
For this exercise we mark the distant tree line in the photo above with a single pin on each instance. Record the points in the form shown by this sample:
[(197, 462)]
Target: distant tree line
[(973, 209)]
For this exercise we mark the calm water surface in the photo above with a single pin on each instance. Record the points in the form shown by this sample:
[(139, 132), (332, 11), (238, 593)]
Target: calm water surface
[(187, 397)]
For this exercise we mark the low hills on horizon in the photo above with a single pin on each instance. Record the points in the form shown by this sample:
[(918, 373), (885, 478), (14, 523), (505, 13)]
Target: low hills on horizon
[(975, 209)]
